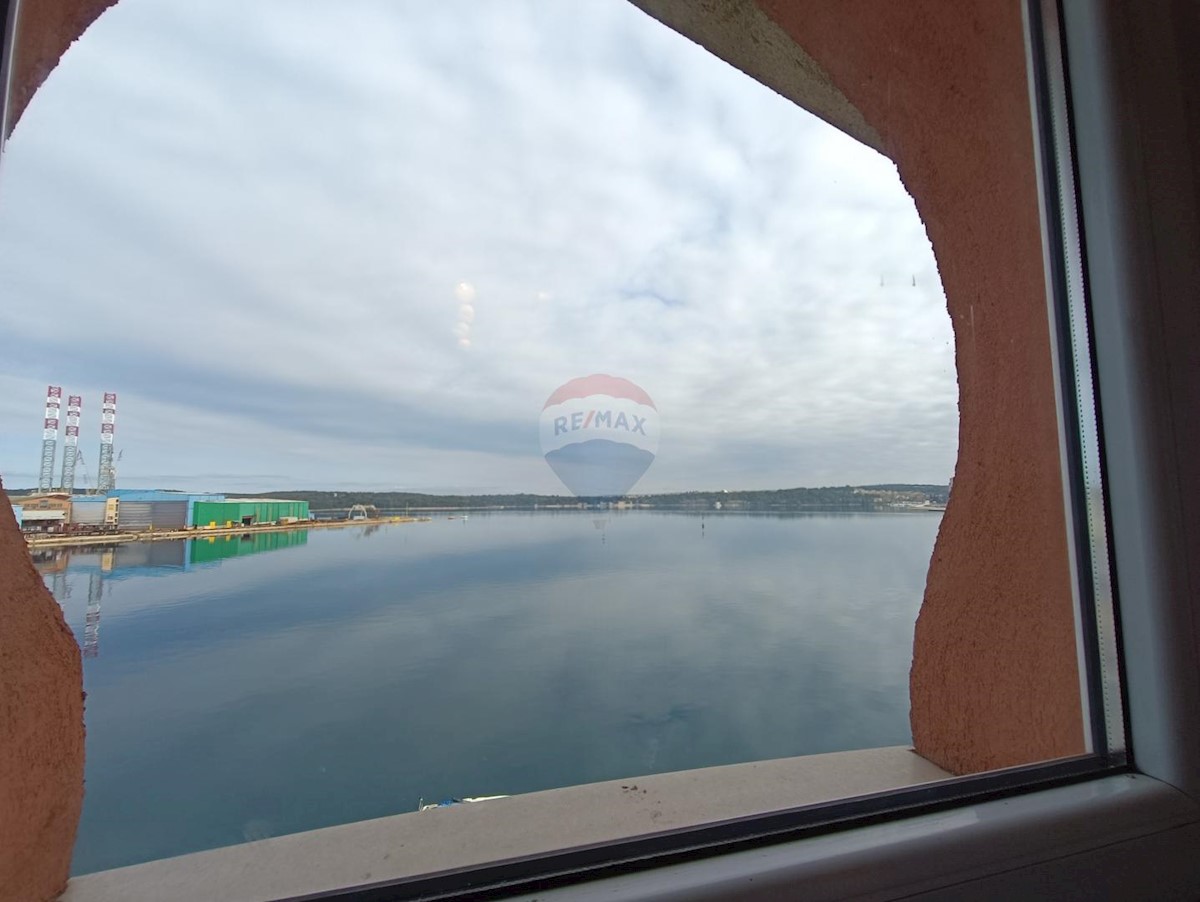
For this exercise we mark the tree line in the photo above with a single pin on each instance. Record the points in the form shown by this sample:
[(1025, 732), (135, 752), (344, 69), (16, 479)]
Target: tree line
[(864, 498)]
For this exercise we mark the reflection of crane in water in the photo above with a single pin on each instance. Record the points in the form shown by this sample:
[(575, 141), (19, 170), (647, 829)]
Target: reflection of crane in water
[(52, 564), (91, 624), (60, 588)]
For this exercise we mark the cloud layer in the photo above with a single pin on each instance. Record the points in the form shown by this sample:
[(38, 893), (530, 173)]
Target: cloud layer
[(360, 246)]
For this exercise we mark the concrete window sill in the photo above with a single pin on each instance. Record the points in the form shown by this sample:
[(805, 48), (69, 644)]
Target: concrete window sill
[(426, 842)]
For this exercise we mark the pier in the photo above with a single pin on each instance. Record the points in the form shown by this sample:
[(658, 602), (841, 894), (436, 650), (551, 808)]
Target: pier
[(60, 540)]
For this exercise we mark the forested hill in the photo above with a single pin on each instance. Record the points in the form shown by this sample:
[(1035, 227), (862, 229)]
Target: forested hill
[(862, 498)]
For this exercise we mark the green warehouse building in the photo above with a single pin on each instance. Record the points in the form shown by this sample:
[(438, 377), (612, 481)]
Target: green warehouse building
[(247, 512)]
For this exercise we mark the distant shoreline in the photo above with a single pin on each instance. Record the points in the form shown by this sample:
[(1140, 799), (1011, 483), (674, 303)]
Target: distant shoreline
[(889, 496), (418, 515), (646, 508), (57, 540)]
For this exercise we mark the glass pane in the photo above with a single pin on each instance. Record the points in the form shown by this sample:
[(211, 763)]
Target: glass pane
[(519, 396)]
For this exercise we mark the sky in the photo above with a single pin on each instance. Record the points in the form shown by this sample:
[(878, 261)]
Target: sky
[(358, 245)]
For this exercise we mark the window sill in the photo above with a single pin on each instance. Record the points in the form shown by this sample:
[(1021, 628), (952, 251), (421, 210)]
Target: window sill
[(460, 836)]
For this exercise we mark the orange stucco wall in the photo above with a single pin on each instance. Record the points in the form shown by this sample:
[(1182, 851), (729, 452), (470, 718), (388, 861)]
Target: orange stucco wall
[(45, 29), (41, 728), (994, 679)]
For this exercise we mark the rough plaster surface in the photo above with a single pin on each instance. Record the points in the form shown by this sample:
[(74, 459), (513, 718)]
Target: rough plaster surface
[(738, 32), (45, 29), (41, 728), (994, 678)]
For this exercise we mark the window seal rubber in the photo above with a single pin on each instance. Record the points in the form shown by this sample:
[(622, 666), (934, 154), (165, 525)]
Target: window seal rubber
[(1086, 498)]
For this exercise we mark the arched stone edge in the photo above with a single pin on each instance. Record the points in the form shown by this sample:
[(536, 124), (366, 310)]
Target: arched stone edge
[(738, 32), (941, 90)]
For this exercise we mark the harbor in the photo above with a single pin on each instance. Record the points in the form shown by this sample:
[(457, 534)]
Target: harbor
[(118, 516), (65, 540), (241, 688)]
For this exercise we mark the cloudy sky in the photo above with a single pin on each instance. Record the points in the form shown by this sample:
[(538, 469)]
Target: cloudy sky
[(358, 245)]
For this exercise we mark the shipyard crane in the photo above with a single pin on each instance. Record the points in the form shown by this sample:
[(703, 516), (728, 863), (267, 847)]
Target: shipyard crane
[(79, 462)]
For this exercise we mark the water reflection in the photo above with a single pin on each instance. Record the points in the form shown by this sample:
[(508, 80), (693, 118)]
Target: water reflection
[(346, 679), (65, 569)]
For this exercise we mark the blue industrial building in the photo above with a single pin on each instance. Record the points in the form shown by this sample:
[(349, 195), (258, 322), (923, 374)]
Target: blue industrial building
[(138, 509)]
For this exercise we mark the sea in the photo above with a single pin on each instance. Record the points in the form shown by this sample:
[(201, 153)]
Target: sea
[(270, 683)]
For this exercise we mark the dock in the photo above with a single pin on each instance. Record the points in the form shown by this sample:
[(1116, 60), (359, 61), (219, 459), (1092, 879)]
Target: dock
[(202, 532)]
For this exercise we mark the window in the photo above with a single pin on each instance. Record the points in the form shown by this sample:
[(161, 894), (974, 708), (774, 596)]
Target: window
[(1131, 501)]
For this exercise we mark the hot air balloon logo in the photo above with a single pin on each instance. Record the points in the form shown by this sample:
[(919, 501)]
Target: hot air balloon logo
[(599, 434)]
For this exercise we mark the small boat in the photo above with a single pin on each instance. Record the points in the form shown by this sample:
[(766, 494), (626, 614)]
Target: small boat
[(446, 803)]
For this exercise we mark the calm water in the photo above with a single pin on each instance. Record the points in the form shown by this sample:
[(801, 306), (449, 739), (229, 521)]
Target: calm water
[(237, 690)]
